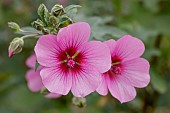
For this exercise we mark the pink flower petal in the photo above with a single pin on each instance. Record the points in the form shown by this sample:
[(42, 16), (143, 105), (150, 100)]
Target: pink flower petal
[(136, 72), (56, 81), (111, 44), (74, 35), (96, 54), (119, 89), (46, 50), (10, 53), (103, 88), (34, 80), (30, 62), (53, 95), (129, 47), (85, 82)]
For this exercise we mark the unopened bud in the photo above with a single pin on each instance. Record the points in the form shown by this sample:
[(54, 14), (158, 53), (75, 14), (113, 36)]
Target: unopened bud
[(44, 91), (15, 46), (80, 102), (53, 20), (14, 26), (65, 21), (38, 24), (43, 13), (57, 10), (42, 10), (46, 31)]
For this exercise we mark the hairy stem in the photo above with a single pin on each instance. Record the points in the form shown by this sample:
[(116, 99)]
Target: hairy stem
[(30, 32), (31, 35)]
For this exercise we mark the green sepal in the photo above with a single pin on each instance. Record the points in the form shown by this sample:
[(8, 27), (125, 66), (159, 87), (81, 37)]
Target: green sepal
[(65, 21), (36, 65), (38, 24), (14, 26), (43, 13)]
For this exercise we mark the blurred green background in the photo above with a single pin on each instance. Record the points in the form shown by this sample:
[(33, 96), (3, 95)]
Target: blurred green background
[(148, 20)]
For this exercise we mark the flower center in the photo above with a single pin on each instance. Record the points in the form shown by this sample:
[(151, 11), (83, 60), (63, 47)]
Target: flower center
[(71, 63), (116, 65), (117, 69)]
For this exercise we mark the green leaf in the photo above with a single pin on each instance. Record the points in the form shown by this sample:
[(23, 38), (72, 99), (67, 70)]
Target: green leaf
[(150, 52), (158, 83), (27, 31), (152, 4), (99, 32), (71, 11), (36, 65), (43, 13), (99, 29), (71, 7), (93, 21)]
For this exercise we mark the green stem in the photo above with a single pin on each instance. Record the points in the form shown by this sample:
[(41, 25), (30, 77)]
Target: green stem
[(31, 35), (38, 33)]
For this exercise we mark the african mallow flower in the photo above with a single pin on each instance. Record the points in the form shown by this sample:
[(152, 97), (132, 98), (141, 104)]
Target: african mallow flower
[(33, 78), (128, 70), (71, 62)]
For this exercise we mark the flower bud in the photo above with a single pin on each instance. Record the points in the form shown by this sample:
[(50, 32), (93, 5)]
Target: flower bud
[(46, 31), (14, 26), (43, 13), (53, 20), (44, 91), (57, 10), (15, 46), (38, 24), (80, 102), (65, 21), (42, 10)]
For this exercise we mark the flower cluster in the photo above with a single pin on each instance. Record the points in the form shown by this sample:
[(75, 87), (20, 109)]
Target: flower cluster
[(49, 22), (69, 62), (128, 70)]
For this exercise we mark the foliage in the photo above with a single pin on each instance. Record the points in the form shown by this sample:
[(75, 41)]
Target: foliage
[(146, 19)]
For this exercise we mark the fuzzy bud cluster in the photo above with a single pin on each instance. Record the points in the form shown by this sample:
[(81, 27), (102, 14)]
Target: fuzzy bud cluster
[(57, 10), (51, 22)]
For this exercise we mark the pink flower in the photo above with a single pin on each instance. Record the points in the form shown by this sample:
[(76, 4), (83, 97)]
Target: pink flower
[(71, 62), (128, 69), (33, 77)]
